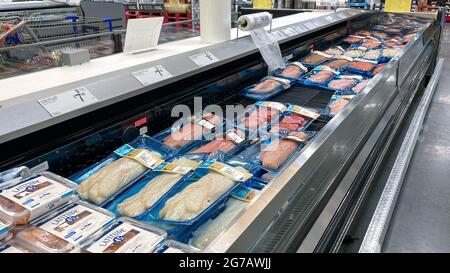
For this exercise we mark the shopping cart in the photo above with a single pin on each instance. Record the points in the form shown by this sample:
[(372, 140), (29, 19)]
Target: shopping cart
[(35, 42)]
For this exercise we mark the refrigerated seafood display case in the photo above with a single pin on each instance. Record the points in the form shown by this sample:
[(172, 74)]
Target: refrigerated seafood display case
[(306, 207)]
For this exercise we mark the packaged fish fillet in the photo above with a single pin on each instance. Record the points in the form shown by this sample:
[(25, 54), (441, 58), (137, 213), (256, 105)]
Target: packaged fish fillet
[(335, 51), (355, 52), (231, 142), (155, 185), (389, 53), (353, 39), (186, 133), (260, 116), (66, 228), (35, 196), (267, 88), (377, 69), (371, 43), (391, 43), (361, 66), (379, 35), (338, 62), (125, 235), (292, 72), (5, 227), (344, 83), (274, 152), (13, 175), (360, 86), (295, 118), (207, 232), (338, 103), (171, 246), (315, 58), (103, 181), (373, 55), (319, 76), (202, 193)]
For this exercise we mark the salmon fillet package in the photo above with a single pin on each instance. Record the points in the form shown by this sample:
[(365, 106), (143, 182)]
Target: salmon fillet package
[(338, 62), (125, 235), (189, 132), (361, 67), (63, 230), (360, 86), (204, 192), (267, 88), (103, 181), (337, 103), (171, 246), (274, 152), (319, 76), (155, 185), (377, 69), (260, 116), (230, 142), (315, 58), (35, 196), (353, 39), (344, 83), (295, 118), (292, 72)]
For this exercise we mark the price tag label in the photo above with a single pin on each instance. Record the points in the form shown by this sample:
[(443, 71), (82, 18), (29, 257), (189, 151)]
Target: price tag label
[(67, 101), (204, 58), (278, 35), (152, 75)]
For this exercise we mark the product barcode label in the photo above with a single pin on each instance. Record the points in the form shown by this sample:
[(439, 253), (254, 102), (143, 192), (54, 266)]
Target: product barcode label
[(271, 104), (235, 137), (230, 172), (124, 150), (204, 58), (303, 111), (67, 101), (146, 158), (152, 75), (208, 125), (170, 167)]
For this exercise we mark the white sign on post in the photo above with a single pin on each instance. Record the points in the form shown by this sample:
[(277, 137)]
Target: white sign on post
[(204, 58), (68, 101), (152, 75)]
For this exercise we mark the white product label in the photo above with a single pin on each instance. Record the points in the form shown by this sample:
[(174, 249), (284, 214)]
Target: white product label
[(235, 137), (42, 167), (76, 224), (204, 58), (230, 172), (300, 65), (276, 105), (38, 195), (172, 250), (278, 35), (68, 101), (303, 111), (170, 167), (146, 158), (286, 83), (152, 75), (126, 238), (208, 125)]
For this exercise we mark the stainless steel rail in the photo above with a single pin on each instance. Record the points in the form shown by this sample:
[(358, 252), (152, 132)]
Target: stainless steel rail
[(373, 240)]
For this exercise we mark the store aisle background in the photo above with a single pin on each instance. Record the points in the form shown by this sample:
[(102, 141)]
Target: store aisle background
[(421, 220)]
